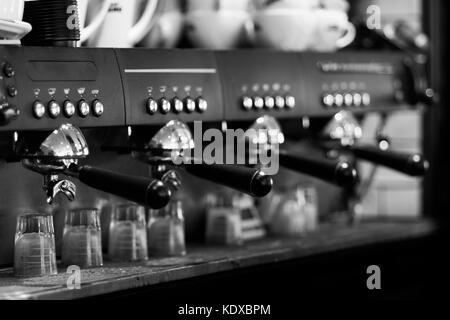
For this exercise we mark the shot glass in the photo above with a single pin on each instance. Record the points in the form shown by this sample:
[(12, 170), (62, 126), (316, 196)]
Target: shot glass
[(82, 239), (166, 231), (128, 234), (34, 253)]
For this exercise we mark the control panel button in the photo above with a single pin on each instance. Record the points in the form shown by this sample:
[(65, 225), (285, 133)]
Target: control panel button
[(338, 100), (98, 108), (328, 100), (11, 90), (258, 103), (8, 113), (357, 99), (202, 104), (189, 105), (177, 105), (54, 109), (247, 103), (38, 109), (69, 109), (8, 70), (151, 106), (366, 99), (83, 108), (290, 101), (280, 102), (269, 102), (165, 105), (348, 99)]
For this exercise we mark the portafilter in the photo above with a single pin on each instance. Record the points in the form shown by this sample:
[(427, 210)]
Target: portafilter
[(173, 145), (267, 132), (60, 153), (344, 132)]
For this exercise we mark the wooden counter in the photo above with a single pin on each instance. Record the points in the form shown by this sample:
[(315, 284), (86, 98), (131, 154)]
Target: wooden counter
[(202, 260)]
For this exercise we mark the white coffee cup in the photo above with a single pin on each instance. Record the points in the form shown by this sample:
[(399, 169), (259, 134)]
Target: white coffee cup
[(12, 10), (218, 30), (87, 31), (166, 31), (334, 30), (125, 24), (217, 5), (283, 29)]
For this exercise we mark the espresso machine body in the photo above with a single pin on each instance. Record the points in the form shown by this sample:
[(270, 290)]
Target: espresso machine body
[(109, 93)]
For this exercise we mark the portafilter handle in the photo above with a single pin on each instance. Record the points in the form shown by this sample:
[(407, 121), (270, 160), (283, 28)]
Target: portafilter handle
[(340, 173), (243, 179), (411, 164), (145, 191)]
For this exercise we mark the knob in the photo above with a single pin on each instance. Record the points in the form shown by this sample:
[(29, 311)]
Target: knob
[(165, 105), (290, 101), (8, 70), (328, 100), (366, 99), (98, 108), (247, 103), (11, 91), (151, 106), (280, 102), (269, 102), (38, 109), (83, 108), (357, 99), (202, 104), (348, 99), (68, 109), (177, 105), (54, 109), (338, 100), (8, 113), (258, 103), (189, 104)]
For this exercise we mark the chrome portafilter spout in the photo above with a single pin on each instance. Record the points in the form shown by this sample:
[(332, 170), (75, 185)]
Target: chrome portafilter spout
[(60, 153), (173, 145), (344, 132), (266, 133)]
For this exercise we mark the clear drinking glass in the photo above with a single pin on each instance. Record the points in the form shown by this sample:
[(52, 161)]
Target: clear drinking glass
[(128, 234), (82, 239), (34, 253), (166, 231)]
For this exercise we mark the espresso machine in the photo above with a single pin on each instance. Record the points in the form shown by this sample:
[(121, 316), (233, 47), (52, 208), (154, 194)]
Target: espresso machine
[(92, 113)]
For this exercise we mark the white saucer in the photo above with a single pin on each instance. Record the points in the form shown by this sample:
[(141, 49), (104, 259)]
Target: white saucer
[(14, 30)]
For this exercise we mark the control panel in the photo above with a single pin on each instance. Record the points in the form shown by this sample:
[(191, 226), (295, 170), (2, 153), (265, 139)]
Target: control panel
[(42, 88), (356, 82), (161, 85), (263, 82)]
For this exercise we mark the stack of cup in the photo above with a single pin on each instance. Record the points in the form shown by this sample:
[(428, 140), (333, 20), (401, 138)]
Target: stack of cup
[(217, 24), (55, 23), (300, 25)]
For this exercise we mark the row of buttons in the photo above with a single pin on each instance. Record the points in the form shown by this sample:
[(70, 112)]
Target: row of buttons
[(69, 109), (268, 102), (176, 105), (346, 99)]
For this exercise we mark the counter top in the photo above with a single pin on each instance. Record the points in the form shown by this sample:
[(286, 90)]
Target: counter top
[(206, 260)]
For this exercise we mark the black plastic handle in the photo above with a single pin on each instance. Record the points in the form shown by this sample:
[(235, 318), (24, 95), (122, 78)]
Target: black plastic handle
[(340, 173), (251, 181), (145, 191), (411, 164)]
